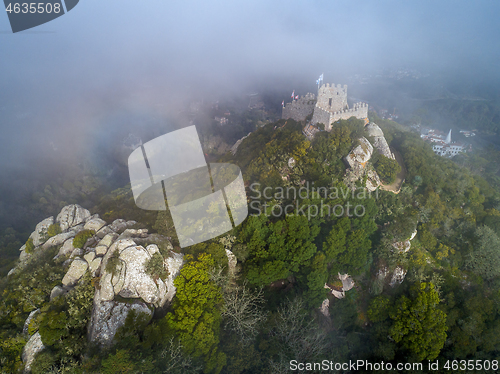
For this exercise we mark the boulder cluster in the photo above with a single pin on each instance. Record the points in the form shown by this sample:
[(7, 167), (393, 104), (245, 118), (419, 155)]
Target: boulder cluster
[(121, 288), (359, 156)]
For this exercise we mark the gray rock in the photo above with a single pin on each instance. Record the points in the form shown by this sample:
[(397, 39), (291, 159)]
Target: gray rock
[(11, 271), (91, 242), (101, 250), (77, 252), (118, 225), (325, 308), (23, 247), (347, 282), (72, 215), (58, 239), (133, 233), (94, 224), (91, 217), (23, 256), (56, 292), (130, 223), (89, 257), (398, 276), (76, 229), (32, 347), (28, 320), (67, 262), (130, 279), (138, 284), (103, 232), (379, 141), (360, 155), (152, 249), (66, 249), (112, 284), (232, 261), (174, 265), (108, 316), (95, 266), (76, 271), (108, 240), (39, 236)]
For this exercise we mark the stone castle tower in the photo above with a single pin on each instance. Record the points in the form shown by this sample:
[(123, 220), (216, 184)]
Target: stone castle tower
[(330, 106)]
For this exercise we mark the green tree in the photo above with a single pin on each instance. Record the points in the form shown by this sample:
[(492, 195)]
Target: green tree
[(418, 325), (196, 318), (118, 363), (484, 259), (387, 169), (278, 249), (346, 249)]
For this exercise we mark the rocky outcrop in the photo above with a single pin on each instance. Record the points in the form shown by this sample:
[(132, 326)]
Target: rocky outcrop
[(398, 276), (138, 284), (174, 264), (76, 271), (325, 308), (232, 261), (95, 224), (359, 168), (360, 155), (39, 236), (66, 249), (108, 316), (58, 239), (56, 292), (129, 279), (379, 141), (347, 284), (29, 319), (405, 245), (32, 347), (72, 215)]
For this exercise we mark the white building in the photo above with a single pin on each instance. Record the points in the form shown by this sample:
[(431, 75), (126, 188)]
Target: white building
[(443, 147)]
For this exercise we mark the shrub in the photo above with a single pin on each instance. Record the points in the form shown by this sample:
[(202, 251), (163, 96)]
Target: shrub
[(155, 268), (387, 169), (53, 230), (113, 262), (81, 238), (29, 246)]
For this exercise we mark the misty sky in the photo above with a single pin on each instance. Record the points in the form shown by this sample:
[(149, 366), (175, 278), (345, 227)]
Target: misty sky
[(108, 61)]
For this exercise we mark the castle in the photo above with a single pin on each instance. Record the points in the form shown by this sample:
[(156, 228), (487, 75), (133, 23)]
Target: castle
[(330, 106)]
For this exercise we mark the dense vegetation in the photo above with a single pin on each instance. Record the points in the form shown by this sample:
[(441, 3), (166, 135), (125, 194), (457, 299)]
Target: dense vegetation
[(267, 314)]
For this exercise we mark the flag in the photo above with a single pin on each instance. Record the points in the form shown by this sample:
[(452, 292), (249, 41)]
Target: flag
[(283, 103), (317, 81), (321, 77), (297, 97), (293, 94)]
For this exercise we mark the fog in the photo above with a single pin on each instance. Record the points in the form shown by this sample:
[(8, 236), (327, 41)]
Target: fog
[(68, 86)]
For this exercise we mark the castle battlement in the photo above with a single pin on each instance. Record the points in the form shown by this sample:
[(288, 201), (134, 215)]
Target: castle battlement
[(329, 106), (301, 108)]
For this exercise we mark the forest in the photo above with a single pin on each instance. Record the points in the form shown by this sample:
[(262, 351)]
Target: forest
[(268, 312)]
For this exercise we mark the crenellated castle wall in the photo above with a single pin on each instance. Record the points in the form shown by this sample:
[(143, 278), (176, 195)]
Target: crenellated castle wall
[(299, 109), (330, 106), (359, 110)]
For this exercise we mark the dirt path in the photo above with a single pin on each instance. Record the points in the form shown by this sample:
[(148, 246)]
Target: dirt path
[(396, 185)]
